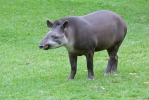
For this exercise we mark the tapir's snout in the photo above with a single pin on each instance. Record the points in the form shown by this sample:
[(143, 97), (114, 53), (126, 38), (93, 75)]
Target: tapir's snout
[(45, 47)]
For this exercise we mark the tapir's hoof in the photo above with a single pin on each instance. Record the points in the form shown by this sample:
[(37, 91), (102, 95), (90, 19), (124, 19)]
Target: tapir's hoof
[(71, 78), (113, 71), (106, 73), (91, 77)]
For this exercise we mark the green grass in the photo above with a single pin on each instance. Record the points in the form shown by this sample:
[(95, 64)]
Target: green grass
[(28, 73)]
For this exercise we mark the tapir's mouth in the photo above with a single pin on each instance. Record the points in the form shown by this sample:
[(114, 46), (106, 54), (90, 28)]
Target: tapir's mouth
[(45, 47)]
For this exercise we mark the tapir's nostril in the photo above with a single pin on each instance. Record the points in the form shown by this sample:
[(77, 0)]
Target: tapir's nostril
[(45, 47), (41, 46)]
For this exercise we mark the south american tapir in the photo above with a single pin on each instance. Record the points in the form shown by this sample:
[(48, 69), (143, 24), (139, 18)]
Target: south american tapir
[(84, 35)]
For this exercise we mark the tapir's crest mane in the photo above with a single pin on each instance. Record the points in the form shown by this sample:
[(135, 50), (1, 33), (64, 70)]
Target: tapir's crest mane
[(61, 21), (58, 22)]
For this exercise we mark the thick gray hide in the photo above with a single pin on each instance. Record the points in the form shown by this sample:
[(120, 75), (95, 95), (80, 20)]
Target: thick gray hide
[(83, 35)]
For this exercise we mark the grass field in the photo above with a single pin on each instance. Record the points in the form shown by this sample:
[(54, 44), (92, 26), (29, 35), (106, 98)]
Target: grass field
[(28, 73)]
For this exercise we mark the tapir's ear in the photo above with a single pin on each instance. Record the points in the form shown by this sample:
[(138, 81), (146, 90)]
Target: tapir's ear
[(65, 24), (49, 24)]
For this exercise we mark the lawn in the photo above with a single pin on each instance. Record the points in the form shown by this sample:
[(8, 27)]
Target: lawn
[(28, 73)]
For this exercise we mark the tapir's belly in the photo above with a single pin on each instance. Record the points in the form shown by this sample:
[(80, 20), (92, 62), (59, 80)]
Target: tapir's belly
[(102, 45)]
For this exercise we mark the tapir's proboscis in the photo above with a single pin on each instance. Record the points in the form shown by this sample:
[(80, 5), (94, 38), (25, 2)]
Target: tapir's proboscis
[(84, 35)]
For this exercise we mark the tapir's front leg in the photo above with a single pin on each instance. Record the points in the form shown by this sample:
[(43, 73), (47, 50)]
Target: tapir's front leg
[(73, 63), (89, 59)]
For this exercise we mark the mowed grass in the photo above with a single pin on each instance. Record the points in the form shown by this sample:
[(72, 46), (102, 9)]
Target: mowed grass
[(28, 73)]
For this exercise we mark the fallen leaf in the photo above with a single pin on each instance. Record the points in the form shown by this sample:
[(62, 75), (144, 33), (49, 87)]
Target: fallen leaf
[(27, 63), (133, 73), (40, 91), (146, 82), (102, 87), (116, 74)]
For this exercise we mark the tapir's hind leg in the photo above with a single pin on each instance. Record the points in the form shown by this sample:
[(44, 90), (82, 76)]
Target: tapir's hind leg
[(113, 60)]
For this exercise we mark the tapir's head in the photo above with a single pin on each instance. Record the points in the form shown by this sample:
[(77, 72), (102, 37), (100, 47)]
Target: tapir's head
[(56, 37)]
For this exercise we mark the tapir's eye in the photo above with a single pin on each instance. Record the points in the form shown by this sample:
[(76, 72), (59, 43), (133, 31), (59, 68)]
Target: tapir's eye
[(55, 37)]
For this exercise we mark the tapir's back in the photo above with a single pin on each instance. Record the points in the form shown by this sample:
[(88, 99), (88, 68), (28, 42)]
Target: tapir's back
[(103, 16)]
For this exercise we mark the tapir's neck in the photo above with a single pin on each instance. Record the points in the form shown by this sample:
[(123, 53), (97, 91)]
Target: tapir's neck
[(69, 45)]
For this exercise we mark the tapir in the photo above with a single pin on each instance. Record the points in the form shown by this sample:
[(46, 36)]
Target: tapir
[(84, 35)]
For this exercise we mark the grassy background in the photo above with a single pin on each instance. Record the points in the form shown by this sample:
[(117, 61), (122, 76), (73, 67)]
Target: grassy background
[(28, 73)]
